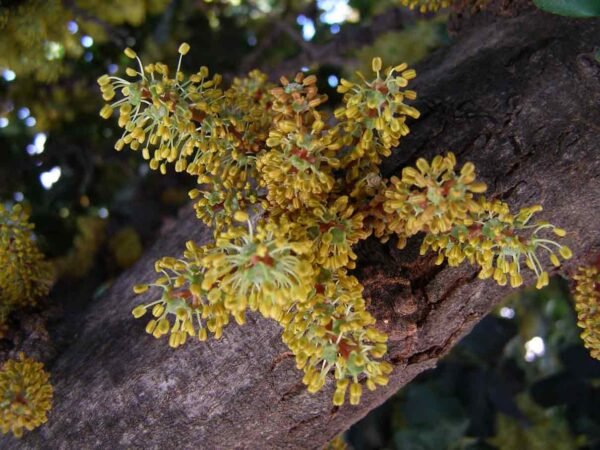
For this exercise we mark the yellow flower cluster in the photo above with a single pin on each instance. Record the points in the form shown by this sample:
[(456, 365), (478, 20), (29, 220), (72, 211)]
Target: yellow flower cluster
[(424, 6), (434, 199), (334, 230), (313, 188), (297, 171), (212, 134), (500, 242), (256, 269), (159, 113), (25, 274), (334, 331), (25, 395), (587, 305), (373, 118), (261, 269), (226, 165), (194, 311)]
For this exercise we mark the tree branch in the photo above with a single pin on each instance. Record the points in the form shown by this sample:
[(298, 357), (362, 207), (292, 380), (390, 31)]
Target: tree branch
[(520, 98)]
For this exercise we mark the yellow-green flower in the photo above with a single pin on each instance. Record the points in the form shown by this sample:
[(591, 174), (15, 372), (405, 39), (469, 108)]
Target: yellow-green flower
[(297, 171), (333, 331), (373, 117), (289, 191), (190, 122), (501, 243), (433, 197), (260, 268)]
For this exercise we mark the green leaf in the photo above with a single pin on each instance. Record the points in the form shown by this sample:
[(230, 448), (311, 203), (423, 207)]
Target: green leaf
[(570, 8)]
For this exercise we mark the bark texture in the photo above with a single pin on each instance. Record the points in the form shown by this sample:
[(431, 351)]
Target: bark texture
[(520, 97)]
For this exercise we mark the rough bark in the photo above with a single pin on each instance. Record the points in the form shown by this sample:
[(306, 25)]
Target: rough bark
[(520, 97)]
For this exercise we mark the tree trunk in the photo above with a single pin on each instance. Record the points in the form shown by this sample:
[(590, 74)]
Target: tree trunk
[(520, 97)]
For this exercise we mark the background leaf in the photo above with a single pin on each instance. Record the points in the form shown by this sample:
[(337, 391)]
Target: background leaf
[(570, 8)]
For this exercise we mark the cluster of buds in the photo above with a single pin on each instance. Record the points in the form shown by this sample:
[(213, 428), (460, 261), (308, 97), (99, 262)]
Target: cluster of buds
[(332, 330), (297, 171), (260, 269), (25, 275), (313, 188), (373, 117), (190, 122), (433, 197), (184, 308), (587, 305), (334, 230), (25, 395)]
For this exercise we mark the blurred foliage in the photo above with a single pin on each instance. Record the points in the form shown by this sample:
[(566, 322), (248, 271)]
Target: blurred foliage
[(133, 12), (544, 429), (409, 45), (126, 247), (40, 34), (416, 413), (81, 257), (35, 38)]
